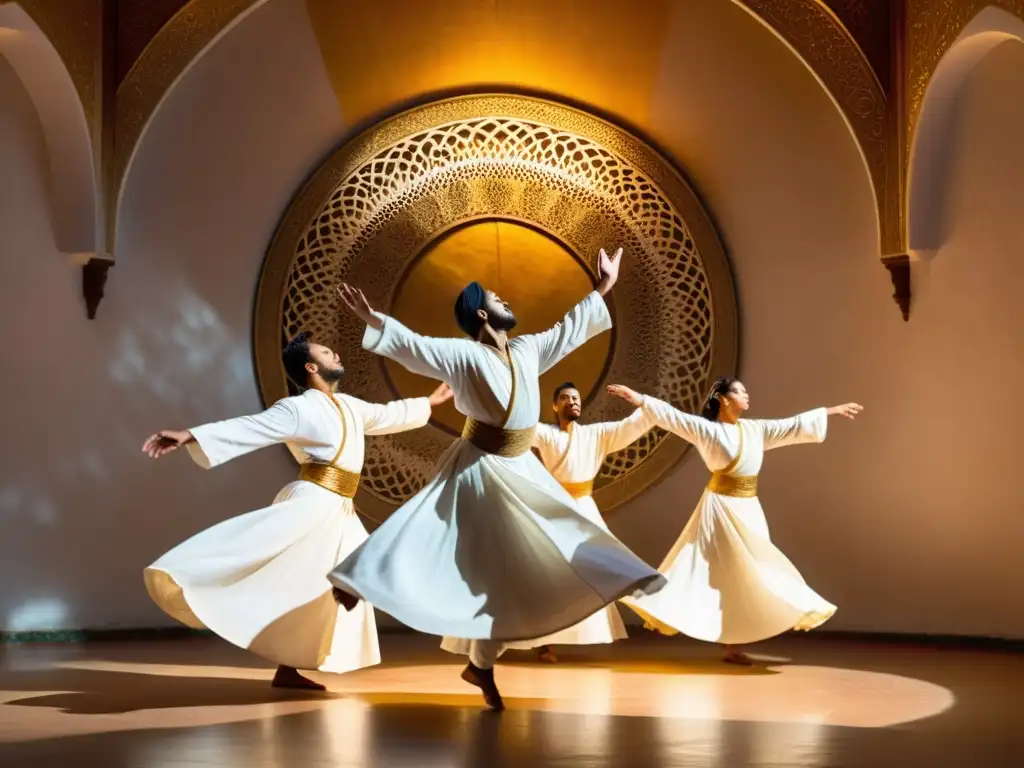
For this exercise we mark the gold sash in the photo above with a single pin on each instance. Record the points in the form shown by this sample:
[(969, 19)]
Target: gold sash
[(495, 440), (737, 486), (579, 490), (499, 441), (327, 475), (334, 479)]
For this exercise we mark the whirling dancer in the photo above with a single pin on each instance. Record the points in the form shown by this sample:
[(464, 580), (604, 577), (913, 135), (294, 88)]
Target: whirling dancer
[(573, 454), (259, 580), (492, 549), (727, 582)]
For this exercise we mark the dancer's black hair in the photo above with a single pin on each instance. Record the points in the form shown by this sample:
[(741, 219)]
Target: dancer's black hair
[(712, 406)]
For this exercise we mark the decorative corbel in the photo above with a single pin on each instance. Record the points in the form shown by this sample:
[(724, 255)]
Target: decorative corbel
[(94, 278), (899, 272)]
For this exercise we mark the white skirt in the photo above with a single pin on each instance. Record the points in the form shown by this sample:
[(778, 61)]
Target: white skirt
[(492, 549), (599, 628), (727, 582), (260, 581)]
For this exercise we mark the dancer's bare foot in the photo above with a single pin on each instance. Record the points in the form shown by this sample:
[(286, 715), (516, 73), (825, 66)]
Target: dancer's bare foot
[(734, 655), (346, 600), (484, 680), (545, 654), (289, 677)]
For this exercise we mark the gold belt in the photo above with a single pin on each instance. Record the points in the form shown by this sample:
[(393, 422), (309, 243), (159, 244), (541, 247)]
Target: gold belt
[(500, 442), (579, 490), (334, 479), (737, 486)]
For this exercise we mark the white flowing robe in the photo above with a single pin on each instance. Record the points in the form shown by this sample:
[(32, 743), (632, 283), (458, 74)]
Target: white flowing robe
[(575, 456), (492, 548), (259, 580), (727, 582)]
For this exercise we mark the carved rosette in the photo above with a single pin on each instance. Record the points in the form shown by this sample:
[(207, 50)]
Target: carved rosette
[(386, 196)]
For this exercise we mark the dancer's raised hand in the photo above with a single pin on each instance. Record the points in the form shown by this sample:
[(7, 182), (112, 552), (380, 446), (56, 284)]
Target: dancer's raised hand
[(608, 270), (847, 410), (630, 396), (165, 441), (356, 303), (441, 395)]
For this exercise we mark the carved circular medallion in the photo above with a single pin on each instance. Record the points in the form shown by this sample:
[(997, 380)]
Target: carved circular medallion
[(536, 274), (396, 211)]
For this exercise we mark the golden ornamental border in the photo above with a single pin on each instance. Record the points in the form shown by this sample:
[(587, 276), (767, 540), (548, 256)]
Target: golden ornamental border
[(310, 200)]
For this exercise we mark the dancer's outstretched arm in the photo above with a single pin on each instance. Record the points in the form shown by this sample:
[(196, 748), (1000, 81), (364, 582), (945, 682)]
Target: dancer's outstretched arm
[(584, 321), (809, 427), (616, 435), (441, 359), (213, 444), (693, 429), (399, 415)]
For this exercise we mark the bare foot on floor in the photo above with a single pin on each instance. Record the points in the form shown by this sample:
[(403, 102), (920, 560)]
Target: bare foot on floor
[(545, 654), (736, 656), (287, 677), (484, 680)]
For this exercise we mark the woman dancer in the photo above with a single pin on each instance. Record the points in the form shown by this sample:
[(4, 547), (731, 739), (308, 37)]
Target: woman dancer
[(727, 582)]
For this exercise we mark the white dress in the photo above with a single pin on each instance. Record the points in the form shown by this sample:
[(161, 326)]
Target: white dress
[(259, 580), (575, 456), (492, 548), (727, 582)]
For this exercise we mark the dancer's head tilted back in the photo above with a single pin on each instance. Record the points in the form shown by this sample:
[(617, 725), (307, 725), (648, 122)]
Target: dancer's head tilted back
[(566, 403), (727, 400), (477, 308), (311, 365)]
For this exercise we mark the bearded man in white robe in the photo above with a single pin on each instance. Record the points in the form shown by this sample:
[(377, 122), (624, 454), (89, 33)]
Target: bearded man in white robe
[(259, 580), (492, 549)]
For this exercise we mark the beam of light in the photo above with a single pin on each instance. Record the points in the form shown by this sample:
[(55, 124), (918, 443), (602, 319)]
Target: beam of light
[(810, 696), (37, 614)]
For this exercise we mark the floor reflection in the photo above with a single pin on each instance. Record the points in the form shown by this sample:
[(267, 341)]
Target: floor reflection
[(644, 704)]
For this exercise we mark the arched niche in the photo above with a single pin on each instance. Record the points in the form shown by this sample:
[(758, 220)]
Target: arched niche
[(73, 188)]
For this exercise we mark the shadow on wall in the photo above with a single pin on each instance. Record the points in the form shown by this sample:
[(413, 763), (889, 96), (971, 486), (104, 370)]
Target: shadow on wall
[(82, 510)]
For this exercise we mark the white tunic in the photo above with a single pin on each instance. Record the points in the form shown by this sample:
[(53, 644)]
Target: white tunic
[(492, 548), (259, 580), (575, 456), (727, 582)]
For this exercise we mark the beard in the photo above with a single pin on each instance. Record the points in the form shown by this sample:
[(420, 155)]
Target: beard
[(332, 375), (503, 322), (570, 415)]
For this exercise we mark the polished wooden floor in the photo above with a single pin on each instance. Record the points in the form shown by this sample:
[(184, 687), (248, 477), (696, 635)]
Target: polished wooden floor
[(648, 702)]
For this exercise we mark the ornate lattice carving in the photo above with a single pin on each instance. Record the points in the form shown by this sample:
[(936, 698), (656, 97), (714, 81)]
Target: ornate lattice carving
[(386, 200), (870, 24)]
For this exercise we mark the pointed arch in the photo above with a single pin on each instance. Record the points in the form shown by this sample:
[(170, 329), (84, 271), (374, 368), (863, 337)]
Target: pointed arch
[(73, 183), (939, 120)]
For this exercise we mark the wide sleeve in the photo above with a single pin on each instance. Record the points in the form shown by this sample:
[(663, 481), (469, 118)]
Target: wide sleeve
[(222, 441), (544, 435), (693, 429), (396, 416), (437, 358), (809, 427), (584, 321), (616, 435)]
